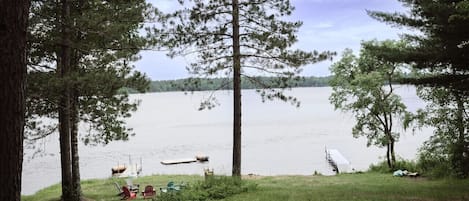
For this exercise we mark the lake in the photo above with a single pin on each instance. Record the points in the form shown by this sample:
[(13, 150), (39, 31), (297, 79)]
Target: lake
[(277, 138)]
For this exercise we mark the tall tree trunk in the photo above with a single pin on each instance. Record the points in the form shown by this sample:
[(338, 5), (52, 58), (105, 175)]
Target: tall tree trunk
[(236, 166), (460, 158), (13, 25), (74, 144), (64, 105), (74, 117)]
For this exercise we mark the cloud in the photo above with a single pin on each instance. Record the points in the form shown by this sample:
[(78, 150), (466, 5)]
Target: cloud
[(323, 25), (327, 25)]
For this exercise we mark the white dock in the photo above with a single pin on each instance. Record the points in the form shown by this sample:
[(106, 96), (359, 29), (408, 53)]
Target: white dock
[(178, 161), (338, 162)]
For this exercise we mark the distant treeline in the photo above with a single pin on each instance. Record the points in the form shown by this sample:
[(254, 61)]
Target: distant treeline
[(201, 84)]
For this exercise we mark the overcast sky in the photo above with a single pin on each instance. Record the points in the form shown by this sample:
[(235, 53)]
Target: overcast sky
[(327, 25)]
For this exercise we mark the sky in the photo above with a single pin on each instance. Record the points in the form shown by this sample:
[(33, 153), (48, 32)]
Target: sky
[(327, 25)]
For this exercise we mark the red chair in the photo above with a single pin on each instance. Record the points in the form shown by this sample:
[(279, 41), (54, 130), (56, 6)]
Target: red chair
[(128, 195), (149, 192)]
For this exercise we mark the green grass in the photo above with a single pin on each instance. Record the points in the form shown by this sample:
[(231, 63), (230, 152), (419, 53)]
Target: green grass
[(367, 186)]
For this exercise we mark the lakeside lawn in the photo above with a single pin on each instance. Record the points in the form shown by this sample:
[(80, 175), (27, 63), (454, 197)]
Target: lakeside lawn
[(366, 186)]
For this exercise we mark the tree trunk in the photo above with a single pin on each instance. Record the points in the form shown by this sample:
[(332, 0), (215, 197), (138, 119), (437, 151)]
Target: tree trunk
[(388, 159), (13, 25), (64, 105), (393, 155), (460, 159), (74, 117), (236, 166), (74, 143)]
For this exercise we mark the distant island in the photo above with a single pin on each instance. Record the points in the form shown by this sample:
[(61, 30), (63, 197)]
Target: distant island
[(203, 84)]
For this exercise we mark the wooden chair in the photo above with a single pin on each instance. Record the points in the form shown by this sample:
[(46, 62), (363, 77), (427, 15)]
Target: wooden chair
[(149, 192), (128, 195)]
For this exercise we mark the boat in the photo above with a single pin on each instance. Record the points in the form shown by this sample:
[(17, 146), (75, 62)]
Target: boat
[(127, 171), (201, 158), (118, 169)]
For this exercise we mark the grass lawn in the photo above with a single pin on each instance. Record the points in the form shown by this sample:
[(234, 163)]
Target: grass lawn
[(366, 186)]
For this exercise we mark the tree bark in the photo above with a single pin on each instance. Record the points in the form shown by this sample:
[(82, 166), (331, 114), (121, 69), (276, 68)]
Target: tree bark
[(13, 27), (393, 155), (64, 105), (236, 166), (77, 194), (74, 147), (388, 159), (460, 157)]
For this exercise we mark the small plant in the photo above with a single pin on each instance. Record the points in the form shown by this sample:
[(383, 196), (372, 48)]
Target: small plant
[(213, 188)]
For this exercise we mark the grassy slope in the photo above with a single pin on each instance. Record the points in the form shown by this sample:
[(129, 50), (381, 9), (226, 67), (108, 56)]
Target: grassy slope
[(368, 186)]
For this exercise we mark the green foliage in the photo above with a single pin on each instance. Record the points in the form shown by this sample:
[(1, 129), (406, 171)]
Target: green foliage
[(215, 83), (363, 85), (204, 30), (104, 39), (438, 50), (434, 161), (401, 164), (437, 54), (213, 188), (446, 153)]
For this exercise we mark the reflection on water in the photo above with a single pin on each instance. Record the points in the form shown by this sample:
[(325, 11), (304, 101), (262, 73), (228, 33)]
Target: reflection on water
[(277, 138)]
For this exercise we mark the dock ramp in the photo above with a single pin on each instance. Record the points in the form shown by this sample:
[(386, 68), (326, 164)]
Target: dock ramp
[(337, 161)]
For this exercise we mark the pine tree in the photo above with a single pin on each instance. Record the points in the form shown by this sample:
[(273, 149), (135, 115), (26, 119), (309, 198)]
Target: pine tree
[(238, 38), (13, 25), (439, 49), (438, 55), (98, 39)]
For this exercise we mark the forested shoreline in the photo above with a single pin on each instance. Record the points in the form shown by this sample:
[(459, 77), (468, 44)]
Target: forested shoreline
[(207, 84)]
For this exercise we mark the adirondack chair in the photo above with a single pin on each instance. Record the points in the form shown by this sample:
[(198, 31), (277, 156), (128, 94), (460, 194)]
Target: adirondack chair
[(149, 192), (172, 187), (119, 189), (128, 195)]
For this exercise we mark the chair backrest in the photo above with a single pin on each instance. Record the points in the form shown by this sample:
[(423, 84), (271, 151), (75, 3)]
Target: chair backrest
[(117, 187), (170, 184), (148, 188)]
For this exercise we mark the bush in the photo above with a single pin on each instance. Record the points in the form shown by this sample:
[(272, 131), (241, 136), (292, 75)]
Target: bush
[(434, 164), (401, 164), (213, 188)]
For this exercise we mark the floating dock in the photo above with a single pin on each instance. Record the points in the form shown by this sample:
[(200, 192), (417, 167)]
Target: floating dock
[(200, 158), (178, 161), (338, 162)]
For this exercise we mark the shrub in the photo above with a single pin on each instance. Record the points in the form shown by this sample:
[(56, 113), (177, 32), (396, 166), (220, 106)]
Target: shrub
[(213, 188), (401, 164), (434, 164)]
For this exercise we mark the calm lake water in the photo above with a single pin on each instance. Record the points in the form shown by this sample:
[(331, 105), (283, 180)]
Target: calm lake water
[(277, 139)]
